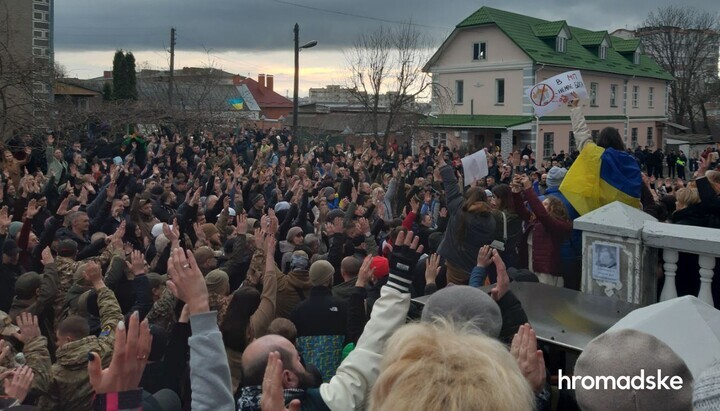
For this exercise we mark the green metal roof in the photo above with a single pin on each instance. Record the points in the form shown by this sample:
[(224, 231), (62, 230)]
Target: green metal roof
[(521, 30), (476, 121), (550, 29), (592, 38)]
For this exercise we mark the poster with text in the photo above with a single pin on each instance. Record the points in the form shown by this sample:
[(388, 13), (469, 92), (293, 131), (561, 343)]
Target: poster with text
[(475, 167), (555, 92), (606, 262)]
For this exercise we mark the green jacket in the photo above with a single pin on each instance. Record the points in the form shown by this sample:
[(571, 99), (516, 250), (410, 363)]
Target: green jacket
[(69, 386)]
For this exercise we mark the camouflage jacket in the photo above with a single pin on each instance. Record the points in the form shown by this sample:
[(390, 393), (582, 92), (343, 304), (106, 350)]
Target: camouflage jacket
[(37, 357), (162, 313), (69, 386)]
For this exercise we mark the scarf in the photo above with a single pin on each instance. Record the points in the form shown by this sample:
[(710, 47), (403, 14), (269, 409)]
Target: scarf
[(250, 397)]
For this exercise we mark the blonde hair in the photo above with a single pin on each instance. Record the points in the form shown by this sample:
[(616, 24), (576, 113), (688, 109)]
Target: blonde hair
[(439, 367), (687, 197), (713, 176)]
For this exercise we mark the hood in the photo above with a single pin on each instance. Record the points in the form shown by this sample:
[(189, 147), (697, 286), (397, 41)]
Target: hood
[(299, 278), (74, 355), (286, 247)]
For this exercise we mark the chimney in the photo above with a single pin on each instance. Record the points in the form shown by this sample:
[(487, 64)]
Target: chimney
[(261, 80), (107, 74), (269, 79)]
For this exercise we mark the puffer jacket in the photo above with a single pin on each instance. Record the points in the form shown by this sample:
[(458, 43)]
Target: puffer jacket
[(69, 387), (293, 288), (479, 228)]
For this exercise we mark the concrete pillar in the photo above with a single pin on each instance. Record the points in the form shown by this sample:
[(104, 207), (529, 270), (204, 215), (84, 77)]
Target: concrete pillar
[(506, 144), (615, 262)]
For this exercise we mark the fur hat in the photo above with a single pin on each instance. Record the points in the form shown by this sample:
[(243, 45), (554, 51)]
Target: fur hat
[(625, 353), (464, 304), (320, 272), (706, 392), (555, 176)]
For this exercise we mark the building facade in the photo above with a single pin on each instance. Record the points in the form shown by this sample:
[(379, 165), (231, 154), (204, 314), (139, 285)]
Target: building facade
[(27, 59), (492, 58)]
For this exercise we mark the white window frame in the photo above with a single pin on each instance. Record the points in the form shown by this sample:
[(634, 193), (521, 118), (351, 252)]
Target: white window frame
[(459, 92), (613, 95), (593, 94), (603, 52), (634, 137), (561, 43), (481, 51), (635, 96), (651, 97), (548, 144), (439, 138), (636, 57)]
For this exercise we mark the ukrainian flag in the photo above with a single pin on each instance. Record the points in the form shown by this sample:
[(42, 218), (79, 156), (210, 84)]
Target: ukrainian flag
[(600, 176), (237, 103)]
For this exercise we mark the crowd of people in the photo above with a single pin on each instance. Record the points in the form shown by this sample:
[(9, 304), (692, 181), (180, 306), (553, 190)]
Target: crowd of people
[(247, 271)]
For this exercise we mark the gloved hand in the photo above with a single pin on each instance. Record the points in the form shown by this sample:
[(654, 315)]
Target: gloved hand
[(403, 259)]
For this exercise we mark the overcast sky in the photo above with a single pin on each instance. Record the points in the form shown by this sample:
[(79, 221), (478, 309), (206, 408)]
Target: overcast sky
[(255, 36)]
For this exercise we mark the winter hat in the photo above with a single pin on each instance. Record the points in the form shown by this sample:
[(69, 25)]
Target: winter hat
[(706, 392), (626, 353), (251, 225), (293, 232), (26, 285), (231, 212), (328, 191), (14, 228), (157, 230), (255, 199), (157, 190), (320, 272), (10, 248), (555, 176), (155, 280), (381, 266), (281, 206), (209, 229), (217, 282), (202, 254), (299, 260), (463, 304), (332, 215), (67, 248)]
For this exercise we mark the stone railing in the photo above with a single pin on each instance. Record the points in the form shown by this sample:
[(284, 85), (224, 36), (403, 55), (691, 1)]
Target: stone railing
[(639, 241), (675, 239)]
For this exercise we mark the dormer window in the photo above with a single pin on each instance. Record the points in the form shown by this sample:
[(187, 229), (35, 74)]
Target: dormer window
[(636, 57), (603, 53), (560, 43)]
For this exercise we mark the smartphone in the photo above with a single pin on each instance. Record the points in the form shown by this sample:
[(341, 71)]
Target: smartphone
[(498, 245)]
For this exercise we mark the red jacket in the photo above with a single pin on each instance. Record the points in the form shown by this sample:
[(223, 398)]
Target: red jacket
[(548, 234)]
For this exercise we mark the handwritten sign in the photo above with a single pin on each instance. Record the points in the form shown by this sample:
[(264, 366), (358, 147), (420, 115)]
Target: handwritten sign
[(551, 94), (475, 167)]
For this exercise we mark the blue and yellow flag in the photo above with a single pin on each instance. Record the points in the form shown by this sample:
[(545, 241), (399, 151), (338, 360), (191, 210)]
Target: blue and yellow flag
[(237, 103), (600, 176)]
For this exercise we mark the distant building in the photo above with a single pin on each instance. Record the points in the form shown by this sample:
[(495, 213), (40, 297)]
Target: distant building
[(272, 105), (493, 56), (27, 28), (338, 95)]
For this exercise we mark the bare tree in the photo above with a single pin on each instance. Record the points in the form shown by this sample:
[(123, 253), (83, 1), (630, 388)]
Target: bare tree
[(386, 76), (684, 41)]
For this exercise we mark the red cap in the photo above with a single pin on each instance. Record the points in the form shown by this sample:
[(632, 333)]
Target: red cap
[(381, 266)]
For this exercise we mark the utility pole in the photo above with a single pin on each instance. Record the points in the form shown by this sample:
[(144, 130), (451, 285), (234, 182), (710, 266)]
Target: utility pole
[(296, 30), (172, 66)]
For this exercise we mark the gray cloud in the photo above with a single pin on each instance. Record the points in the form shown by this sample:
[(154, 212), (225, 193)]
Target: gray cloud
[(223, 25)]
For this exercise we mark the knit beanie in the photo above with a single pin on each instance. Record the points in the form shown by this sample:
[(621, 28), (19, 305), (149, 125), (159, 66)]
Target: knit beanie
[(299, 260), (626, 353), (320, 272), (217, 282), (292, 233), (381, 266), (67, 248), (555, 176), (209, 229), (282, 205), (255, 199), (14, 228), (706, 392), (462, 305), (26, 285)]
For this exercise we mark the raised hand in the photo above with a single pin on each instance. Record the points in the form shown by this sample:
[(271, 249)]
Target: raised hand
[(484, 257), (19, 386), (366, 272), (242, 224), (186, 281), (503, 281), (137, 262), (528, 357), (130, 355), (32, 209), (46, 256), (432, 268), (403, 258), (272, 387), (29, 328), (93, 274)]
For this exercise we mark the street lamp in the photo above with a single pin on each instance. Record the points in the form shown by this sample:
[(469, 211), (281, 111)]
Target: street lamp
[(297, 69)]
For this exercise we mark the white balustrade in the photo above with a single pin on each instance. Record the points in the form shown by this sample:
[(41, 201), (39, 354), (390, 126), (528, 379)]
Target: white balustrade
[(707, 263), (669, 290)]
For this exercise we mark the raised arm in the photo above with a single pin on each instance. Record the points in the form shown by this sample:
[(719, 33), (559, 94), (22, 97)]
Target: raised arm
[(580, 128)]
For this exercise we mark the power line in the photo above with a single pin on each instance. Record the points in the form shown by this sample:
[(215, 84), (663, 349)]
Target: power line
[(342, 13)]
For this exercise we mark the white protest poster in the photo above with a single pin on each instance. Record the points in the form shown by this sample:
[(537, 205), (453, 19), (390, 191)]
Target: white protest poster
[(606, 262), (551, 94), (475, 167)]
